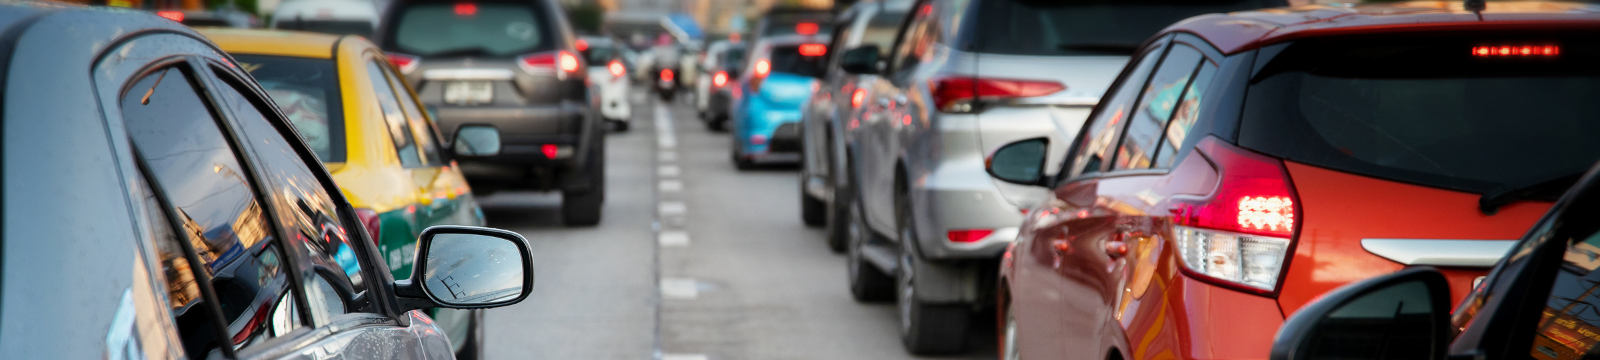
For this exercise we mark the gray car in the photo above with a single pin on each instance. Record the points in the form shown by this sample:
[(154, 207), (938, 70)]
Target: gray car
[(963, 78), (513, 65), (840, 98), (158, 205)]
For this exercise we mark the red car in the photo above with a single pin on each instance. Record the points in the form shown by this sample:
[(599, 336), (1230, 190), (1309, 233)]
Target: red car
[(1245, 164)]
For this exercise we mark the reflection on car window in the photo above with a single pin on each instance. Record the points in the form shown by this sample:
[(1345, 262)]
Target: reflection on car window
[(1569, 327), (221, 218), (307, 92), (1156, 107), (396, 120), (1187, 114), (421, 129), (1099, 134)]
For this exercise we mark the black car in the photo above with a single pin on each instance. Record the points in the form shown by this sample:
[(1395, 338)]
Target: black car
[(158, 205), (1541, 301), (513, 65)]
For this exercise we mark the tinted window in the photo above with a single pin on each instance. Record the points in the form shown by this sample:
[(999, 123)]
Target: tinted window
[(481, 29), (1100, 133), (307, 92), (1427, 111), (1161, 97), (421, 129), (337, 27), (1084, 27), (881, 30), (1568, 323), (216, 204), (1184, 118), (393, 118), (788, 59), (915, 43), (597, 55), (733, 58)]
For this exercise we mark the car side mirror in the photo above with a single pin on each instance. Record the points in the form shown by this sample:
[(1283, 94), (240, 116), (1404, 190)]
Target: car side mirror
[(467, 267), (1020, 162), (860, 60), (477, 140), (1404, 315)]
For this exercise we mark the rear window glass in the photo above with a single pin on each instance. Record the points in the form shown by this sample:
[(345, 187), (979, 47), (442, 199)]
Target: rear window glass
[(307, 92), (789, 24), (1428, 110), (598, 55), (337, 27), (734, 56), (881, 30), (1085, 27), (468, 29), (787, 59)]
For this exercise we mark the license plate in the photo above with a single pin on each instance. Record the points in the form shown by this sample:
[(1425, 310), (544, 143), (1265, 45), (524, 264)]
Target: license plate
[(468, 92)]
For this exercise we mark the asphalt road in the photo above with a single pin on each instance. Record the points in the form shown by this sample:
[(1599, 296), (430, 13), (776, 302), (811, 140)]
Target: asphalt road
[(692, 260)]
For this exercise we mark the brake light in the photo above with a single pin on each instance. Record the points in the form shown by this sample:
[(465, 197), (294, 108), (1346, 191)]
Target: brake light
[(369, 219), (1240, 234), (466, 9), (550, 150), (763, 67), (969, 235), (569, 62), (957, 94), (171, 15), (805, 28), (858, 97), (405, 63), (1515, 50), (581, 45), (720, 79), (666, 74), (616, 68), (813, 49), (758, 139), (549, 62)]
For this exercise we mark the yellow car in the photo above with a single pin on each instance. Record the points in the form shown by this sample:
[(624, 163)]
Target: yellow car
[(368, 128)]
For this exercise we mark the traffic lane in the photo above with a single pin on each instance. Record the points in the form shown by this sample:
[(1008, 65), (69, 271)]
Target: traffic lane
[(768, 286), (593, 287)]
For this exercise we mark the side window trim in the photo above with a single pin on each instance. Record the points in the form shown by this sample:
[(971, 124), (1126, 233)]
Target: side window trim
[(1157, 47)]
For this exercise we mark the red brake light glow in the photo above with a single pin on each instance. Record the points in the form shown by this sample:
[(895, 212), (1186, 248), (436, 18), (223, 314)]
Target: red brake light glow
[(1254, 196), (581, 45), (805, 28), (1516, 50), (466, 9), (758, 139), (616, 68), (550, 62), (404, 63), (666, 74), (720, 79), (858, 97), (550, 150), (171, 15), (956, 94), (968, 235), (762, 68), (813, 49), (569, 63)]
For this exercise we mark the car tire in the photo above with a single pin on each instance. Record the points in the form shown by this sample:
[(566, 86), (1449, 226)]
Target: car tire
[(813, 211), (582, 207), (473, 350), (666, 95), (925, 328), (621, 125), (836, 220), (717, 123), (739, 161), (868, 284)]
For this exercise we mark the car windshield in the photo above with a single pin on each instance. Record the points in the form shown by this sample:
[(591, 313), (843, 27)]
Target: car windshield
[(1084, 27), (337, 27), (467, 29), (307, 91), (1431, 110), (790, 59)]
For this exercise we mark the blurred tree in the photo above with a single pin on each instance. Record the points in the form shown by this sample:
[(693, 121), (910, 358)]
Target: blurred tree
[(586, 16)]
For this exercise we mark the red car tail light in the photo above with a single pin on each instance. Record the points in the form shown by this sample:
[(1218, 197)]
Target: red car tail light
[(405, 63), (369, 219), (171, 15), (1516, 50), (805, 28), (858, 97), (550, 150), (666, 74), (720, 79), (957, 94), (616, 68), (466, 9), (560, 62), (968, 235), (1240, 234), (758, 139), (813, 50), (581, 45), (763, 68)]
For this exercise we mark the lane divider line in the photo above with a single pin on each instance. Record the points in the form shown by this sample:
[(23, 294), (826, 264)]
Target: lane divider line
[(670, 185), (679, 288), (668, 171), (673, 238), (684, 357)]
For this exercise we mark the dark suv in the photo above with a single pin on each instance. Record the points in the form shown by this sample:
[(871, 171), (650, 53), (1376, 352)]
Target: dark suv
[(512, 65)]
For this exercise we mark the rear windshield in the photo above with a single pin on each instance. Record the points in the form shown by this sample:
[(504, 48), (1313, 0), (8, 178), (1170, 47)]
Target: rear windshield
[(307, 91), (882, 29), (468, 29), (598, 55), (733, 56), (337, 27), (787, 59), (1429, 110), (1085, 27), (788, 24)]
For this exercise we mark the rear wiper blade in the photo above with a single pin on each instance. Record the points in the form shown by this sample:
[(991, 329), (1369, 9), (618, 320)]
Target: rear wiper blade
[(1546, 188)]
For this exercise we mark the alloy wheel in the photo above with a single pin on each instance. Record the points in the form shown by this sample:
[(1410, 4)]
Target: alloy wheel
[(1009, 350)]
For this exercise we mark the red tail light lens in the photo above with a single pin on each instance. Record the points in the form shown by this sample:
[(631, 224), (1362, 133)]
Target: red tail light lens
[(549, 62), (957, 94), (569, 62), (405, 63), (581, 45), (1516, 50), (969, 235), (466, 9), (763, 68), (758, 139), (616, 68), (550, 150), (369, 219), (720, 79), (1240, 234), (858, 97), (813, 49), (666, 75), (171, 15), (805, 28)]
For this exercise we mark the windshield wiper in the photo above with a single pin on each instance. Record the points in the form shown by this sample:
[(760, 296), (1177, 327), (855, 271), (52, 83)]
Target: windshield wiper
[(1544, 189), (1105, 48)]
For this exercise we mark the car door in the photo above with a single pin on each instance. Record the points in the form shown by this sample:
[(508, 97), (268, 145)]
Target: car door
[(880, 144)]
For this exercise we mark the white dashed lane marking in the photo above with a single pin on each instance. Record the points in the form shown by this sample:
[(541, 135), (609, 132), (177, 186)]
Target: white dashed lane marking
[(683, 357), (667, 156), (679, 288), (672, 208), (671, 186), (668, 171), (673, 238)]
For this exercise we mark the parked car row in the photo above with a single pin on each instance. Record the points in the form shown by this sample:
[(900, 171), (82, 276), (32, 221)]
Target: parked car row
[(1187, 178)]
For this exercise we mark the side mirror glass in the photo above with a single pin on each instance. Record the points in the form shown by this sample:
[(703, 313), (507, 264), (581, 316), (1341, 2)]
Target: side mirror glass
[(477, 140), (1404, 315), (472, 267), (1020, 162), (860, 60)]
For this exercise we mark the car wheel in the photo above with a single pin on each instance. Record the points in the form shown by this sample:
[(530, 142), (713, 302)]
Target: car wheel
[(666, 95), (925, 329), (582, 207), (867, 282), (739, 161), (812, 210), (1008, 340), (621, 125), (836, 222)]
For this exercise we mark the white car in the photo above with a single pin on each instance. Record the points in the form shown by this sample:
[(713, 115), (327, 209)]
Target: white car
[(608, 77), (342, 17)]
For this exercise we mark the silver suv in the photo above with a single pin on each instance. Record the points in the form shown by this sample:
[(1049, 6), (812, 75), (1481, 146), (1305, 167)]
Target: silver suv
[(963, 78)]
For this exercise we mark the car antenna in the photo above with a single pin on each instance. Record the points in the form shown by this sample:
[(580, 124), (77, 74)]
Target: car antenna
[(152, 91), (1475, 6)]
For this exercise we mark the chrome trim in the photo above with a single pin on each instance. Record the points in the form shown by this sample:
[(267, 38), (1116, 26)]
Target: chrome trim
[(1439, 252), (467, 74)]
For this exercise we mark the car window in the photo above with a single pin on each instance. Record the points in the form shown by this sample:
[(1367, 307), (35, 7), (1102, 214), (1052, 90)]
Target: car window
[(216, 203), (399, 128), (836, 46), (799, 59), (1161, 98), (361, 28), (307, 92), (1099, 134), (421, 130), (337, 278), (881, 29), (471, 29), (1569, 325), (1184, 118), (915, 42), (1092, 27)]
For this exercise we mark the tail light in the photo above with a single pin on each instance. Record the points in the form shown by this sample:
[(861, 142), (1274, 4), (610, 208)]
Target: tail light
[(405, 63), (171, 15), (968, 235), (957, 94), (806, 28), (858, 97), (1239, 236), (720, 79), (616, 68), (561, 63), (758, 139), (369, 219), (813, 50), (581, 45), (763, 68), (666, 74), (466, 9)]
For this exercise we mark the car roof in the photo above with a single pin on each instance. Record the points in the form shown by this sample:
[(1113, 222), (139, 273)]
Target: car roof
[(273, 42), (793, 40), (1240, 31)]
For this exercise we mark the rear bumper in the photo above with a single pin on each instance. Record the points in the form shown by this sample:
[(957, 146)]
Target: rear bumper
[(957, 194), (614, 103), (525, 132)]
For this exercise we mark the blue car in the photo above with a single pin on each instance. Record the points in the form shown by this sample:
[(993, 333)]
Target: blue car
[(781, 75)]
